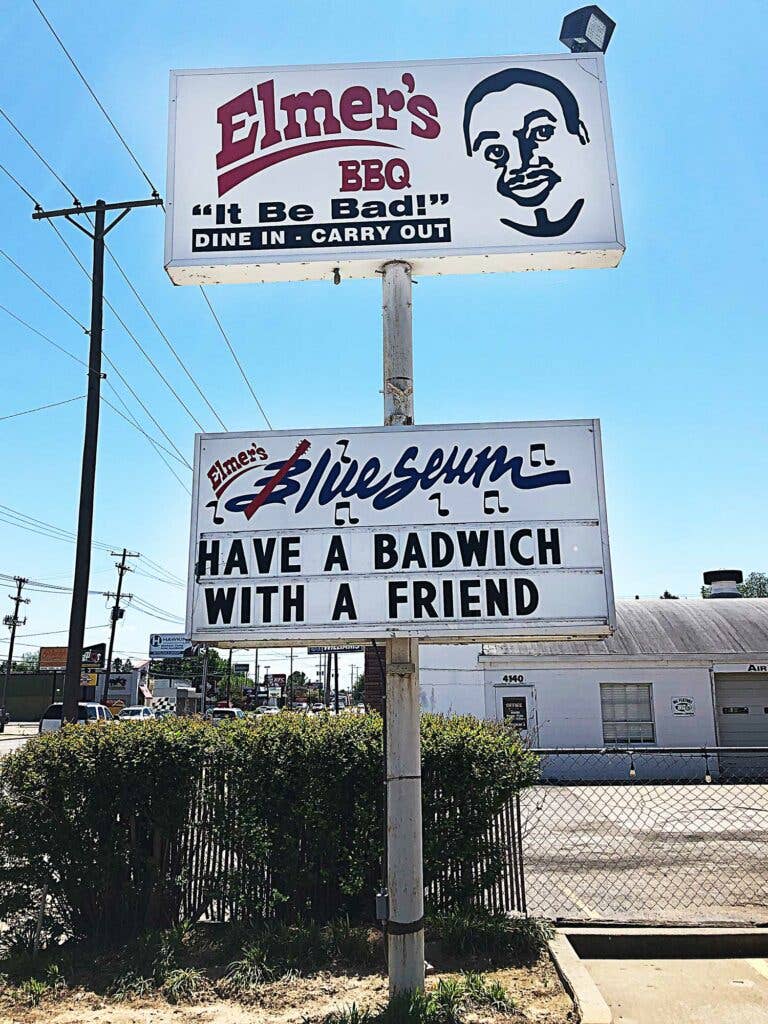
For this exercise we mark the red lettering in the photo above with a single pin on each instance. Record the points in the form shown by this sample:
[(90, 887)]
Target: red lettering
[(232, 117), (424, 108), (350, 176), (355, 108)]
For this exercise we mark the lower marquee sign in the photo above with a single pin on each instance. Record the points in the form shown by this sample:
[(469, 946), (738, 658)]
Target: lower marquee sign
[(444, 533)]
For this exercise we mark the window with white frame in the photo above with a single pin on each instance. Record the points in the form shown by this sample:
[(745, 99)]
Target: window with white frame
[(627, 711)]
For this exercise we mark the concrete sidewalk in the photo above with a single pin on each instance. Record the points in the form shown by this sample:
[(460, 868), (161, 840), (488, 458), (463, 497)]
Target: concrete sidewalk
[(733, 991), (665, 976)]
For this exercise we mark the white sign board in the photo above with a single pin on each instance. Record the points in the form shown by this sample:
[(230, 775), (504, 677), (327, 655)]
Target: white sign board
[(170, 645), (458, 166), (445, 533)]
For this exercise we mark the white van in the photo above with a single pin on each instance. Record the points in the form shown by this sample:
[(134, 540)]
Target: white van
[(87, 713)]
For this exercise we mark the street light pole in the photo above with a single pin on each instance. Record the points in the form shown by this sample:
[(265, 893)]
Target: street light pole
[(405, 870), (100, 229)]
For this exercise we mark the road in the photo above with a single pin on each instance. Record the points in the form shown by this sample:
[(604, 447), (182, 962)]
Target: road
[(15, 736), (673, 853)]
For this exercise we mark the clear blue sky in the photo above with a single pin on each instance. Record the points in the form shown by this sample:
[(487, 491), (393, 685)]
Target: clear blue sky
[(669, 350)]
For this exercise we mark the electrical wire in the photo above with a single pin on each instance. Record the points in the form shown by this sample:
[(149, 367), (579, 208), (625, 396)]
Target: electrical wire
[(234, 356), (44, 337), (107, 358), (98, 102), (114, 259), (45, 291), (16, 182), (39, 408)]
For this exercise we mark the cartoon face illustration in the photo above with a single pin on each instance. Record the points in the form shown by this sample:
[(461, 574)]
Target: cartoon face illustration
[(526, 127)]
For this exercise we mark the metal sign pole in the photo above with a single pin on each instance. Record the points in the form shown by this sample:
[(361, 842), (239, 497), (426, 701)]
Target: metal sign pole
[(405, 872)]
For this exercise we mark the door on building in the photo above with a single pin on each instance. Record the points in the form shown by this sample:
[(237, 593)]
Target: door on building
[(741, 709), (516, 705)]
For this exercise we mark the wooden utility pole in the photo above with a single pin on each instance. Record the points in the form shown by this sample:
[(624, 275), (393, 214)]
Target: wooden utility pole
[(405, 871), (12, 621), (116, 614), (100, 229)]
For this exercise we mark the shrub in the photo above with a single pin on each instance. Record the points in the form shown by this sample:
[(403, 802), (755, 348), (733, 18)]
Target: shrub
[(496, 937), (109, 821)]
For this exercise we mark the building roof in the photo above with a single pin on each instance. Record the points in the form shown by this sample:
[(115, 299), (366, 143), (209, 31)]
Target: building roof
[(712, 627)]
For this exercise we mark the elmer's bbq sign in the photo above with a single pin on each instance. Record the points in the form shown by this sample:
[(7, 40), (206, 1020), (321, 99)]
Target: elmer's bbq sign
[(450, 533), (460, 166)]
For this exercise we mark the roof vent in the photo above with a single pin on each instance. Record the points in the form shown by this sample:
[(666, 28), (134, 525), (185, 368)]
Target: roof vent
[(724, 582)]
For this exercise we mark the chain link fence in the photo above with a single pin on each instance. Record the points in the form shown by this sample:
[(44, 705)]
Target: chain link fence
[(673, 835)]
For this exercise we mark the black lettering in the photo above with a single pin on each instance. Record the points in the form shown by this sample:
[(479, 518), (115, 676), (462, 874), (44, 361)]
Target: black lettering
[(394, 588), (526, 597), (336, 555), (289, 551), (265, 552), (498, 542), (448, 609), (424, 595), (497, 597), (293, 603), (384, 551), (207, 557), (236, 559), (219, 601), (412, 552), (442, 549), (266, 594), (245, 605), (553, 545), (469, 602), (514, 546), (344, 604), (473, 547)]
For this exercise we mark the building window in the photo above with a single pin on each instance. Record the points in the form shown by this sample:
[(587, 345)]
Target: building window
[(627, 710)]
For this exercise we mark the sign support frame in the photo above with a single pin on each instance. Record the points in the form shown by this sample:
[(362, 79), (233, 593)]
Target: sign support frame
[(405, 862)]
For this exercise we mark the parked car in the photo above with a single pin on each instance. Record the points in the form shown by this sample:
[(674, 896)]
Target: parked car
[(318, 708), (164, 712), (267, 711), (136, 713), (88, 712), (225, 714)]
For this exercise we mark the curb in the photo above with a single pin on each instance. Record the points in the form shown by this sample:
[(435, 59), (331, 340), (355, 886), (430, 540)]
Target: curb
[(590, 1005)]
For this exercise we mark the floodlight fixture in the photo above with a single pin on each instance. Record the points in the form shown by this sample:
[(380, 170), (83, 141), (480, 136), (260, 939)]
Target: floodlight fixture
[(587, 30)]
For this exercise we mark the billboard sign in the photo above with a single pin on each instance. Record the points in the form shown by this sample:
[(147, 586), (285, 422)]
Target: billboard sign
[(170, 645), (336, 649), (443, 533), (53, 659), (458, 166)]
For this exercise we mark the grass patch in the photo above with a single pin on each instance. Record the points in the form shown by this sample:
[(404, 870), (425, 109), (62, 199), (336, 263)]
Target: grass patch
[(447, 1003)]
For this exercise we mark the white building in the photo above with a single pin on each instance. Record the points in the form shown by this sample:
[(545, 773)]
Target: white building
[(676, 673)]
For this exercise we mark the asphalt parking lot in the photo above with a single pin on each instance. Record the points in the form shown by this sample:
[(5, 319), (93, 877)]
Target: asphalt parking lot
[(658, 853)]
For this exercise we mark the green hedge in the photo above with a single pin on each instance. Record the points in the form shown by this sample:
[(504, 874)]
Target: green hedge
[(124, 827)]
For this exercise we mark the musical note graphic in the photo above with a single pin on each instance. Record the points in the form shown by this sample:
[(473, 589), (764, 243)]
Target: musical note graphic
[(344, 442), (438, 498), (338, 518), (218, 520), (488, 499), (280, 475), (543, 449)]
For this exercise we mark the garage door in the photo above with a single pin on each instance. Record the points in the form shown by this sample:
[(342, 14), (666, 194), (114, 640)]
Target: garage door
[(741, 703)]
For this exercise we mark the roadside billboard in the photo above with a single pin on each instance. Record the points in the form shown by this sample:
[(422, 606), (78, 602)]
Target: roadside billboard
[(445, 533), (55, 658), (170, 645), (458, 166)]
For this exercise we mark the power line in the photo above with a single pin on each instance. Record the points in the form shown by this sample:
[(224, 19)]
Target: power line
[(234, 356), (16, 182), (39, 408), (39, 156), (165, 338), (114, 259), (98, 102), (106, 357), (68, 535), (45, 337)]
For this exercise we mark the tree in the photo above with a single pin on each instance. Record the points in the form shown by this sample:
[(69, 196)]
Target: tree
[(666, 596), (755, 585), (26, 663), (298, 679), (358, 688)]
